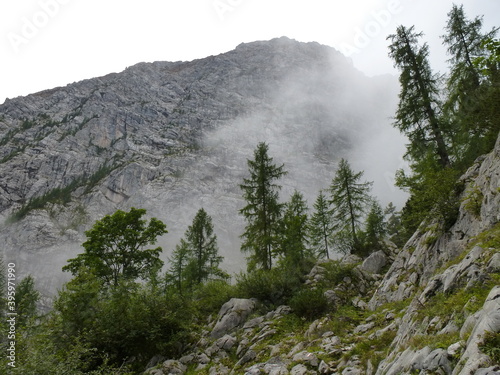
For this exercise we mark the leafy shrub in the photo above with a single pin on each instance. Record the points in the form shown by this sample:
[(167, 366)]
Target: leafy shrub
[(335, 273), (211, 295), (473, 201), (274, 286), (309, 303)]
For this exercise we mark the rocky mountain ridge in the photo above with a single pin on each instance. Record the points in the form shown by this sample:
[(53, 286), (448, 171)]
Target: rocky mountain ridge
[(172, 137), (432, 307)]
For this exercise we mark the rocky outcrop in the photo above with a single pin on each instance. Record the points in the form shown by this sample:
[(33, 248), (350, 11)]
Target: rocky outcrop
[(231, 315), (436, 267)]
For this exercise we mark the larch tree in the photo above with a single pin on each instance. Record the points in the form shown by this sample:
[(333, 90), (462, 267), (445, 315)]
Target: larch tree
[(375, 229), (294, 237), (203, 251), (263, 210), (418, 111), (349, 199), (465, 105), (178, 265), (321, 227)]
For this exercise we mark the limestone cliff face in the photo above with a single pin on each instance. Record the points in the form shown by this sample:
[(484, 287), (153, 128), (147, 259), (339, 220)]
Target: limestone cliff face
[(172, 137)]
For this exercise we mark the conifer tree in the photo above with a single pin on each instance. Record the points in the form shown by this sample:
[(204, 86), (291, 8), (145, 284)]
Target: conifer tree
[(294, 233), (349, 199), (393, 224), (203, 252), (321, 227), (465, 42), (178, 264), (263, 210), (375, 228), (417, 115)]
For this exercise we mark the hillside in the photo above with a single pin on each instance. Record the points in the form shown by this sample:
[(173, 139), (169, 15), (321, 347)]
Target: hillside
[(172, 137), (431, 308)]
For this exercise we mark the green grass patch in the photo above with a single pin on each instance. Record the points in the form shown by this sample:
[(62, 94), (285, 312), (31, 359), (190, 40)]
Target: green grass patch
[(453, 304), (490, 345), (375, 349), (442, 341)]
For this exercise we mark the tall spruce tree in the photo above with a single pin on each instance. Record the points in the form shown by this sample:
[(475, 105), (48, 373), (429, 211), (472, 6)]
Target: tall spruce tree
[(321, 227), (418, 111), (263, 209), (294, 238), (349, 198)]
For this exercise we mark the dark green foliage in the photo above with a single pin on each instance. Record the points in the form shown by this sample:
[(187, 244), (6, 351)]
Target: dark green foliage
[(375, 230), (294, 238), (447, 131), (350, 198), (196, 259), (417, 115), (309, 303), (321, 227), (273, 287), (114, 249), (204, 252), (210, 296), (124, 321), (467, 89), (26, 299), (263, 210), (433, 194), (179, 261), (393, 225)]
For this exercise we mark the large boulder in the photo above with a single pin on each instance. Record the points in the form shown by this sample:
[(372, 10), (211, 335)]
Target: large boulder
[(233, 314), (375, 262)]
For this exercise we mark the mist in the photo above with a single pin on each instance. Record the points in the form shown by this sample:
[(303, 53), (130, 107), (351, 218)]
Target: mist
[(310, 121)]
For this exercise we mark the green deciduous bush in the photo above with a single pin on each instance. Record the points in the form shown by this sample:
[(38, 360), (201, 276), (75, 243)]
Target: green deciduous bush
[(309, 303), (274, 286)]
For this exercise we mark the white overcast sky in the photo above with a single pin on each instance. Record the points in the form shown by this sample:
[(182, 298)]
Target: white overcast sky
[(49, 43)]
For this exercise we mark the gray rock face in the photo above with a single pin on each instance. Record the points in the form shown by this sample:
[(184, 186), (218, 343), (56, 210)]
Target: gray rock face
[(375, 262), (172, 137), (232, 314), (421, 257), (420, 265)]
